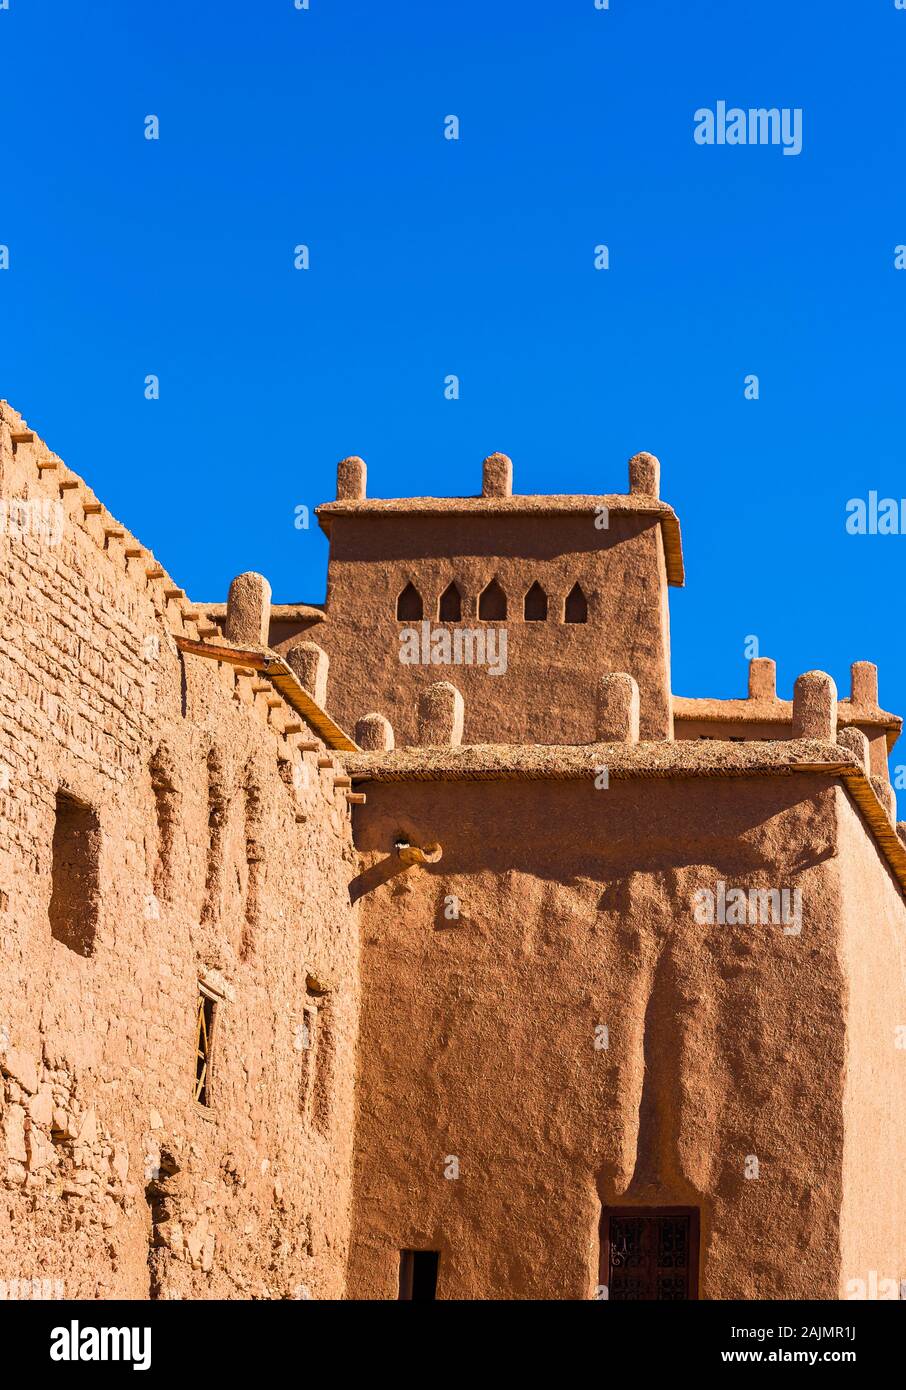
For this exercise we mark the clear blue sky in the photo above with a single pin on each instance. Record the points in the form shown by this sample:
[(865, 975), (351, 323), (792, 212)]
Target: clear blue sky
[(431, 257)]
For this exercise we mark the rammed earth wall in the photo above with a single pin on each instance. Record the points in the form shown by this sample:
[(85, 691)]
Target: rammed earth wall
[(724, 1043), (221, 854)]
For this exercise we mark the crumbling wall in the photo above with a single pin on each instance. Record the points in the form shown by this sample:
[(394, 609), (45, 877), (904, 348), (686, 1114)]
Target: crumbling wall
[(542, 1006), (221, 861)]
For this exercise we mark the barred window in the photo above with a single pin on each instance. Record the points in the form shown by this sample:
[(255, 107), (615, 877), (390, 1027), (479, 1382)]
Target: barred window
[(650, 1254)]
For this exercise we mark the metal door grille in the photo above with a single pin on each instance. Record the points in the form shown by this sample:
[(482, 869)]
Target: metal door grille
[(650, 1255)]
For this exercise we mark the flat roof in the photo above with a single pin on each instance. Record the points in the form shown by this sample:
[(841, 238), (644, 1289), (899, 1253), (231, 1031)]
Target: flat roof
[(530, 504), (777, 711), (624, 761), (571, 762)]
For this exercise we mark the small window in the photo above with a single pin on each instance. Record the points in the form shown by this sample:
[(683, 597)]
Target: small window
[(75, 892), (650, 1255), (535, 604), (492, 603), (409, 607), (204, 1033), (576, 607), (450, 608), (418, 1274)]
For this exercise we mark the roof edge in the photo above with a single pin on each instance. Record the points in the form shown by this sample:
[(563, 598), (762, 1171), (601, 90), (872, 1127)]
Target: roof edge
[(522, 504), (625, 762)]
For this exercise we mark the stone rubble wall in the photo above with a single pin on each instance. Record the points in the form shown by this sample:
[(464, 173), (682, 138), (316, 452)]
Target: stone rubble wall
[(224, 856)]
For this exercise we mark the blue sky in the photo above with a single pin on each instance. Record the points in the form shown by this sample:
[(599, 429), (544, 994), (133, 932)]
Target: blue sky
[(474, 257)]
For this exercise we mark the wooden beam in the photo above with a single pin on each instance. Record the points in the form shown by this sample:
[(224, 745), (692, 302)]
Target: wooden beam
[(284, 682)]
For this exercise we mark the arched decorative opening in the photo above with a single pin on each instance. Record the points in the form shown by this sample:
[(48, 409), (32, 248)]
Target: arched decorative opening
[(535, 604), (409, 606), (450, 607), (492, 603), (576, 607)]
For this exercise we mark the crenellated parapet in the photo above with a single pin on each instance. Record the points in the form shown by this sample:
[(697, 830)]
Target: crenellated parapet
[(764, 715)]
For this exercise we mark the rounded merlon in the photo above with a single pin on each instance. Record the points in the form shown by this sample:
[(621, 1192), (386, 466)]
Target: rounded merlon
[(248, 613), (352, 476), (440, 716), (762, 678), (497, 476), (618, 708), (863, 686), (645, 474), (374, 734), (815, 707), (309, 664)]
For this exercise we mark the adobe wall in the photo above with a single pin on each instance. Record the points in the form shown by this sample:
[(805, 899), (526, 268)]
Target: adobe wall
[(873, 958), (774, 731), (220, 860), (478, 1036), (546, 694)]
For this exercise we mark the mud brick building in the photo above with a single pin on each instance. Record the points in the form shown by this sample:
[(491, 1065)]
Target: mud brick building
[(326, 973)]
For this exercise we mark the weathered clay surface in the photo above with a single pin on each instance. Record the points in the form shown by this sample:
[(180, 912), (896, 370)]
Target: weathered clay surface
[(547, 692), (724, 1041), (225, 857), (496, 1012)]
